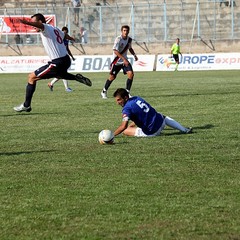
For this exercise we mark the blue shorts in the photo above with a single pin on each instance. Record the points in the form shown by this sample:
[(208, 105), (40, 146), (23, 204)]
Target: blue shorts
[(116, 69), (56, 68)]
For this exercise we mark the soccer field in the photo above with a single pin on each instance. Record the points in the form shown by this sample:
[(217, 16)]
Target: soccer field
[(58, 182)]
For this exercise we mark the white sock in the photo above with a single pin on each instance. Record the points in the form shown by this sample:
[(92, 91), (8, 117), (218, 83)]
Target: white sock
[(65, 82), (54, 81), (174, 124)]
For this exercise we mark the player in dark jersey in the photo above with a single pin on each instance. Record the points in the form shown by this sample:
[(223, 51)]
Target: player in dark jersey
[(146, 121), (122, 44)]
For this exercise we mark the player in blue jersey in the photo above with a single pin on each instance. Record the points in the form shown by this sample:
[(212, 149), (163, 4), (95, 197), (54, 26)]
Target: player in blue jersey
[(146, 121)]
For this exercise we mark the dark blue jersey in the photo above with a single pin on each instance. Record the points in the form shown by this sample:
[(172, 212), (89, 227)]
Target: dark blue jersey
[(142, 114), (65, 41)]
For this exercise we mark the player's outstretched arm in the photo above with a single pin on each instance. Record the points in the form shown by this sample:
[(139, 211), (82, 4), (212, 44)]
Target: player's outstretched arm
[(33, 24), (121, 128)]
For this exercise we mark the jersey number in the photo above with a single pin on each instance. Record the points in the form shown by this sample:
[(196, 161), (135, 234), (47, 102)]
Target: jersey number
[(143, 105), (59, 39)]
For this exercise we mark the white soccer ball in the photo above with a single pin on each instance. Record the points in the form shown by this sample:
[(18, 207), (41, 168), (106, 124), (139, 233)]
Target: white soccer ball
[(106, 137)]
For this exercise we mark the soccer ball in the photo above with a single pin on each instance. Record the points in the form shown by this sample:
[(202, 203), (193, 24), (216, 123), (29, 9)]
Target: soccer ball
[(106, 137)]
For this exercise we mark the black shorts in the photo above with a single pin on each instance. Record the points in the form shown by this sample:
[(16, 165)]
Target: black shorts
[(56, 68), (176, 57), (76, 10), (116, 69)]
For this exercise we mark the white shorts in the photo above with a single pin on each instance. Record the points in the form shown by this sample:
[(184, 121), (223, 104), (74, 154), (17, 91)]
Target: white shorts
[(140, 133)]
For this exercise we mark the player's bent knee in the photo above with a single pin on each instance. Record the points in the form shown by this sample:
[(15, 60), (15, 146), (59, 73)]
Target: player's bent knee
[(32, 78), (112, 77), (130, 131), (130, 75)]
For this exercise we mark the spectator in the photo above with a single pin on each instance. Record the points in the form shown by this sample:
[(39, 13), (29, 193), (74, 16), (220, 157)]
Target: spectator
[(18, 39), (76, 8), (232, 2), (83, 35), (74, 35), (29, 39)]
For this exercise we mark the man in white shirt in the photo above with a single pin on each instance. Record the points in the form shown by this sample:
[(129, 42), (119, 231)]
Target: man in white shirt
[(83, 35), (53, 42), (122, 44)]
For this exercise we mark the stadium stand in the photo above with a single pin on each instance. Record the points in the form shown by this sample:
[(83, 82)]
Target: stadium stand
[(150, 23), (31, 3)]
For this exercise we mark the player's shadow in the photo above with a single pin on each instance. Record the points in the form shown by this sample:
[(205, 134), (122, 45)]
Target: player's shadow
[(195, 130), (25, 114), (207, 126), (192, 94), (22, 152)]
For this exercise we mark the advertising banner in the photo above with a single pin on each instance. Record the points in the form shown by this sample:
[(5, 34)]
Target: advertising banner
[(214, 61), (25, 64), (101, 63), (84, 63), (10, 25)]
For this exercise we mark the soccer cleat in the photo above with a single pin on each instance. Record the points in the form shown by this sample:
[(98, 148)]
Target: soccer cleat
[(104, 94), (80, 78), (21, 108), (189, 130), (68, 90), (50, 86)]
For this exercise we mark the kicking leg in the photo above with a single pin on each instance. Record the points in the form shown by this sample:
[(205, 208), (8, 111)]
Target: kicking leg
[(78, 77)]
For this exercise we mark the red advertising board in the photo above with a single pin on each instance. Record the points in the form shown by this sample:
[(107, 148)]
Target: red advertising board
[(11, 24)]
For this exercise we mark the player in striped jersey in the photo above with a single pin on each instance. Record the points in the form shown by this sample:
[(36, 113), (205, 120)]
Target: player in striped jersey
[(52, 39), (122, 44), (66, 43)]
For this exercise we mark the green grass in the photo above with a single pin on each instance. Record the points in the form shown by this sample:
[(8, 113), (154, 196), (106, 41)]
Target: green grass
[(58, 182)]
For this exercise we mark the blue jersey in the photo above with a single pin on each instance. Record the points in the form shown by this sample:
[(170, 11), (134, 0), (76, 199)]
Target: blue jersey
[(142, 114), (65, 41)]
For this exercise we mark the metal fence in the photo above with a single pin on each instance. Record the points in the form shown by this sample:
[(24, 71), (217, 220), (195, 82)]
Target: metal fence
[(212, 19)]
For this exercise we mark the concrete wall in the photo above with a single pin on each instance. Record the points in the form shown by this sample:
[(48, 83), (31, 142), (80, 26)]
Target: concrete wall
[(106, 49)]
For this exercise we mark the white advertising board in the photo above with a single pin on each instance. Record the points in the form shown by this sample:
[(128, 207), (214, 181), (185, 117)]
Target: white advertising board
[(83, 63), (214, 61), (101, 63)]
